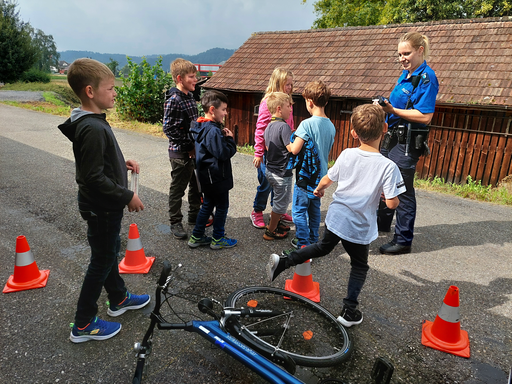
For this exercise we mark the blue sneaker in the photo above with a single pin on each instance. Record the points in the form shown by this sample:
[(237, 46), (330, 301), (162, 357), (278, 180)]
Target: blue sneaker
[(96, 330), (195, 242), (223, 242), (130, 302)]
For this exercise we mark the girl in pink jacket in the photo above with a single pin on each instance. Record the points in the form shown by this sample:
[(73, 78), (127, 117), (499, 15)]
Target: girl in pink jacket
[(281, 80)]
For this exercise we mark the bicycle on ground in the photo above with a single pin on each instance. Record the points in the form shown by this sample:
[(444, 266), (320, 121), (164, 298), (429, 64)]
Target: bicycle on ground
[(269, 330)]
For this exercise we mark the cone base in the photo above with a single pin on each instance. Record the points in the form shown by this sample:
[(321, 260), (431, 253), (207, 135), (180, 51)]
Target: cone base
[(39, 282), (461, 348), (312, 294), (141, 268)]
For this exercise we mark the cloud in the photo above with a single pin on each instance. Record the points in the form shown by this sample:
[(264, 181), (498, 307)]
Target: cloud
[(135, 27)]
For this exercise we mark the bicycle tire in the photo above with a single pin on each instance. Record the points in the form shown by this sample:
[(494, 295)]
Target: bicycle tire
[(329, 345)]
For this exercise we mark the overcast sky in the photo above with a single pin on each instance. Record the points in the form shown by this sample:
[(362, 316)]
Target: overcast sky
[(145, 27)]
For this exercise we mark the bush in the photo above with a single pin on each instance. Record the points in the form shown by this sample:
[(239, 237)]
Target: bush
[(35, 76), (142, 95)]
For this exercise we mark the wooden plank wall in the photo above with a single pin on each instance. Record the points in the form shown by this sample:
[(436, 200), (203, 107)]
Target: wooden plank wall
[(469, 142), (463, 141)]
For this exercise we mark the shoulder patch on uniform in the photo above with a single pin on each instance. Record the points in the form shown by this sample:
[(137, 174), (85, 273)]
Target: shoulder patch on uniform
[(425, 78)]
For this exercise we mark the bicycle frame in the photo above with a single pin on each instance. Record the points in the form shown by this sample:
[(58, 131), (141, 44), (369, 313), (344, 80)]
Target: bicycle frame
[(211, 331)]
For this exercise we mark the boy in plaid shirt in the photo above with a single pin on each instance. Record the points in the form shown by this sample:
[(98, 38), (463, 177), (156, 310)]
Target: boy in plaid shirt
[(180, 111)]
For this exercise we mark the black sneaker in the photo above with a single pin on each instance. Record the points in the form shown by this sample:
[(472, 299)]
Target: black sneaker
[(178, 231), (350, 317), (275, 266), (195, 242), (393, 248)]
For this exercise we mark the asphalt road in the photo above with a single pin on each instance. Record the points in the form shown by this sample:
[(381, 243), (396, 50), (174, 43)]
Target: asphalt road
[(458, 242)]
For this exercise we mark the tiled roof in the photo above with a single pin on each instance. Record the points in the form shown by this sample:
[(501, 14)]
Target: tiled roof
[(472, 60)]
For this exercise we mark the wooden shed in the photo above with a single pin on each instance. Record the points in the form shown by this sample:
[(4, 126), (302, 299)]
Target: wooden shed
[(470, 131)]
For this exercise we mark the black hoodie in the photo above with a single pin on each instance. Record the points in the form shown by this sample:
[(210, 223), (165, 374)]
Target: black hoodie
[(101, 171)]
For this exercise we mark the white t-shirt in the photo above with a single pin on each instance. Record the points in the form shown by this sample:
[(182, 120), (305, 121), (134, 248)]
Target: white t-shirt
[(362, 177)]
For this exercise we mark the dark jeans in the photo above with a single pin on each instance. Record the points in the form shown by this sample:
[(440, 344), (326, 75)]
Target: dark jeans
[(103, 236), (358, 262), (219, 201), (405, 212), (263, 190), (182, 175)]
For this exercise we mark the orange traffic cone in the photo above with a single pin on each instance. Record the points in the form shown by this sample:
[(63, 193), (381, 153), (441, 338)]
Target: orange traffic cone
[(444, 333), (135, 261), (26, 274), (302, 282)]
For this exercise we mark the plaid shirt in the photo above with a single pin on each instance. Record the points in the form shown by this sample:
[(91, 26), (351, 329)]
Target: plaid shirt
[(180, 110)]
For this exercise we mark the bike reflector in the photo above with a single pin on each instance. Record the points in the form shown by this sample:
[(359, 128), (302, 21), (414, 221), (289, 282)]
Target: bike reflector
[(308, 335), (252, 303)]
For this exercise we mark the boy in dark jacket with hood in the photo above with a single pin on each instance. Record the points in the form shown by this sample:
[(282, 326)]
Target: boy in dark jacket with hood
[(214, 149), (180, 111), (101, 174)]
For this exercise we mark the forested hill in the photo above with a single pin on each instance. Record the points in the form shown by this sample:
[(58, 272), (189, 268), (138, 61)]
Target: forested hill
[(211, 56)]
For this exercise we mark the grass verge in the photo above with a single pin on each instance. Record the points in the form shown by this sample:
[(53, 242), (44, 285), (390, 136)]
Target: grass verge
[(471, 190)]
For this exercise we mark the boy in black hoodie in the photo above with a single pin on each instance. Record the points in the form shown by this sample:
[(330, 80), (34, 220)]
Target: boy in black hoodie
[(214, 149), (101, 174)]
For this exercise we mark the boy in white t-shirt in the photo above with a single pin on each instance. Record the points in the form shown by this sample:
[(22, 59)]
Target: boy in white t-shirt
[(362, 174)]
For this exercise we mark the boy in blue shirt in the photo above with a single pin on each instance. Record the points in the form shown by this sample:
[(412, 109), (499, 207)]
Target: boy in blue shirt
[(362, 174), (313, 141)]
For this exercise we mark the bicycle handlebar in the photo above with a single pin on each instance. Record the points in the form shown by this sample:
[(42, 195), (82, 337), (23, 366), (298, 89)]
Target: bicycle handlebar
[(166, 270)]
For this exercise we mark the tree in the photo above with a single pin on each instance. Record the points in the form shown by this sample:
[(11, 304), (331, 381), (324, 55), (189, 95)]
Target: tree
[(113, 65), (17, 52), (342, 13), (142, 95), (125, 71), (47, 51)]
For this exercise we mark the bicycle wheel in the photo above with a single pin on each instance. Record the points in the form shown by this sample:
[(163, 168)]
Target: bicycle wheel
[(305, 331)]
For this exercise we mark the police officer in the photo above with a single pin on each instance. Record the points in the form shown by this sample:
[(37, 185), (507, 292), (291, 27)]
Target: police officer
[(409, 110)]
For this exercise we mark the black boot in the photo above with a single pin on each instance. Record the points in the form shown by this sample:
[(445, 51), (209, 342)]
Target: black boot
[(393, 248)]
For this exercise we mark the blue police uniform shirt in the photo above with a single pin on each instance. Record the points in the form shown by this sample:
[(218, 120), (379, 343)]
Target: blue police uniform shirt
[(423, 99)]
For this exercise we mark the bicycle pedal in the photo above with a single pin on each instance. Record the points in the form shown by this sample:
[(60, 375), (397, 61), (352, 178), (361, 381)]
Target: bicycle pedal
[(382, 371)]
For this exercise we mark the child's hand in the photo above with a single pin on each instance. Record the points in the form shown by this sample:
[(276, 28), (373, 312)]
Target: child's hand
[(257, 161), (227, 132), (319, 192), (135, 204), (133, 166)]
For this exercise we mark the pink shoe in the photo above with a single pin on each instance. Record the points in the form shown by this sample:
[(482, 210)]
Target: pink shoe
[(286, 218), (257, 219)]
